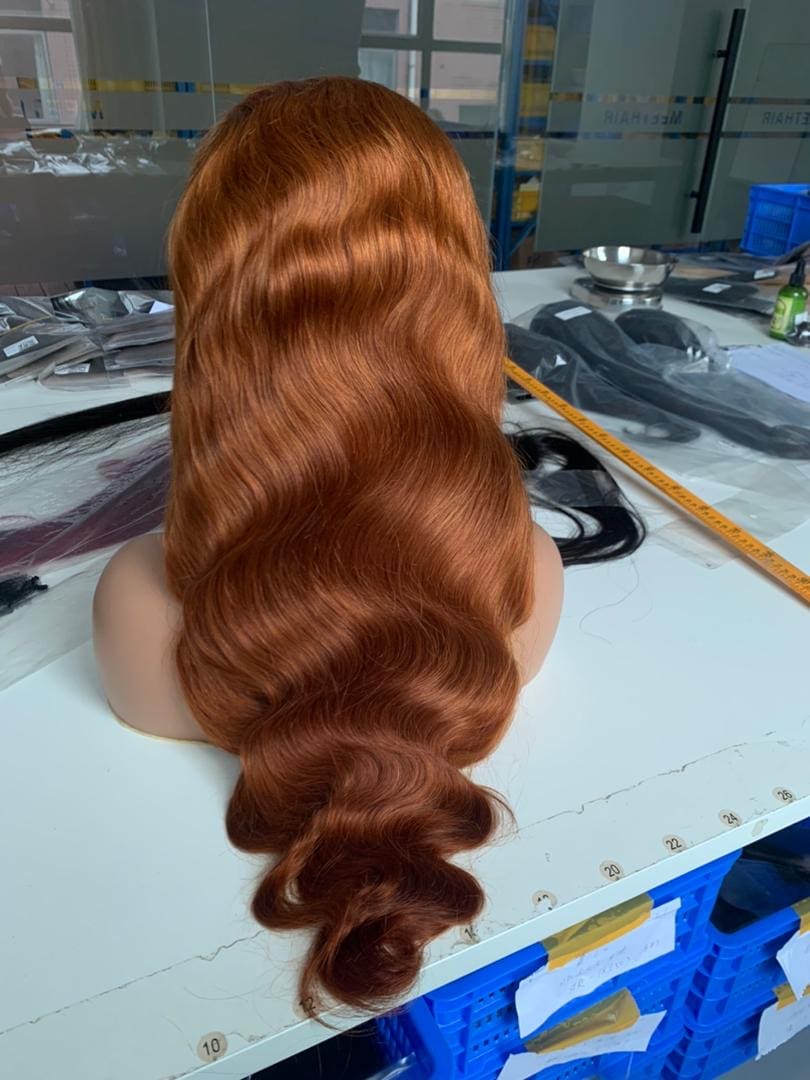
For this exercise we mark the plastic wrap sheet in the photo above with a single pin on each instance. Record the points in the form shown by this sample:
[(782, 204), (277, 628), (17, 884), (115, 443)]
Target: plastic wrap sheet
[(81, 494), (800, 334), (65, 153), (51, 623), (670, 392), (65, 508)]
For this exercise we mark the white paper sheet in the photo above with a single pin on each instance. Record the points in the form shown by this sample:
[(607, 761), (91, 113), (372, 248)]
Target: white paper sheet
[(158, 306), (794, 956), (777, 1025), (787, 367), (547, 990), (633, 1040)]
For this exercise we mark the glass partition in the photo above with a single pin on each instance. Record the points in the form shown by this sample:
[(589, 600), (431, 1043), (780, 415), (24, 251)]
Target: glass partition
[(615, 122), (102, 106)]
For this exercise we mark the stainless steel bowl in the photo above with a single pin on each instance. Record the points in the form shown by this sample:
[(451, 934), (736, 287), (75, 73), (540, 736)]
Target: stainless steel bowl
[(627, 269)]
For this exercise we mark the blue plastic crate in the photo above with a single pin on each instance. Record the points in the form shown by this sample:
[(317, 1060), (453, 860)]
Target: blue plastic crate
[(778, 218), (737, 966), (475, 1021), (480, 1046), (742, 966), (413, 1032), (713, 1050), (410, 1033), (710, 1052)]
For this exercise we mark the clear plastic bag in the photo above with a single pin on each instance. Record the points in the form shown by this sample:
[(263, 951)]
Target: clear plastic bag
[(32, 335), (51, 623), (727, 292), (691, 383), (73, 497), (770, 875), (87, 338), (674, 396), (800, 334)]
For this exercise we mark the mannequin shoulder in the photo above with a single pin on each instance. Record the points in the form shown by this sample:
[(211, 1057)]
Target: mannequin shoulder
[(135, 624), (133, 584), (532, 640)]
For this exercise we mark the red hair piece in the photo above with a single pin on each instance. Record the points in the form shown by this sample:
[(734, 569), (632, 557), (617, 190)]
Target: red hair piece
[(348, 533)]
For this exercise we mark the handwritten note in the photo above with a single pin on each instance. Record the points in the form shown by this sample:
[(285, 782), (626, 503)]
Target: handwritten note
[(794, 956), (630, 1041), (780, 1022), (786, 367), (547, 990)]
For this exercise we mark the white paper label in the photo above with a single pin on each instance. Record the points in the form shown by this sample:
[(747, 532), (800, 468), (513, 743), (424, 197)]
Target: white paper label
[(631, 1041), (159, 306), (794, 956), (75, 369), (572, 313), (19, 346), (717, 287), (760, 274), (777, 1025), (547, 990)]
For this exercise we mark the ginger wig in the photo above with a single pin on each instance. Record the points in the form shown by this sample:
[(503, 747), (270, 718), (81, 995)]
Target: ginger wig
[(347, 531)]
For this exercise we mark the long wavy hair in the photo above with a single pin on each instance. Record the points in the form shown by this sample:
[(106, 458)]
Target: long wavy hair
[(347, 533)]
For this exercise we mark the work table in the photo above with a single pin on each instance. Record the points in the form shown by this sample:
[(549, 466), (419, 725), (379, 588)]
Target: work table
[(668, 727)]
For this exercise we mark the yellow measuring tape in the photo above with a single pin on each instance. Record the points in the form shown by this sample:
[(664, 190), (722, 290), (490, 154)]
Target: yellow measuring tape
[(765, 558)]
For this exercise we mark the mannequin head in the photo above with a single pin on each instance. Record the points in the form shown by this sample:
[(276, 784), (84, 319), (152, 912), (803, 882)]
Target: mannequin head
[(347, 533)]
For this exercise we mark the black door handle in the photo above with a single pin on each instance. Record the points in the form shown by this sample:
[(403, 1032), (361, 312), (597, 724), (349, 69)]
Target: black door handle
[(729, 58)]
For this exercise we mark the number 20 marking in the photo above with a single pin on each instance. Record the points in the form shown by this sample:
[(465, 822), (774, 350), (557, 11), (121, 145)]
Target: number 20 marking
[(611, 870)]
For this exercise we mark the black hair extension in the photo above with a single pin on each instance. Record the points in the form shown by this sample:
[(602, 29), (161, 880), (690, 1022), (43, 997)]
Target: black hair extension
[(638, 371), (98, 418), (605, 524), (564, 371), (18, 589), (648, 326), (561, 475)]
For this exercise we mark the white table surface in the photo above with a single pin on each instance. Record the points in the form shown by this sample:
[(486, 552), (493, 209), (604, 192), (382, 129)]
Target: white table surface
[(673, 693)]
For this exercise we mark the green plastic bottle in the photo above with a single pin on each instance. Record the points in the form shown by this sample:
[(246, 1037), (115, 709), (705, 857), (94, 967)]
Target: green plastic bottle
[(791, 300)]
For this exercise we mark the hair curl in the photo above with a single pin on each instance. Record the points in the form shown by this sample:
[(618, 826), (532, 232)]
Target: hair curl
[(347, 531)]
